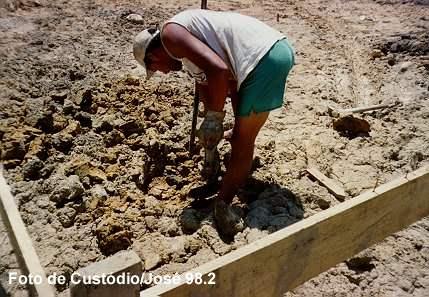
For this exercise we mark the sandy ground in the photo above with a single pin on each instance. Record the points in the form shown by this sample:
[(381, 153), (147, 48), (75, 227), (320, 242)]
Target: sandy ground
[(97, 157)]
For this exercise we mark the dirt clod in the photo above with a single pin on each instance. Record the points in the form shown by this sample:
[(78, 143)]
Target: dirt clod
[(112, 235), (32, 169), (351, 126), (67, 190)]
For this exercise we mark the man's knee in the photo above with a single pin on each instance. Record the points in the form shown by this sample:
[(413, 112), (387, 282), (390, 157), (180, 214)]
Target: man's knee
[(243, 143), (246, 129)]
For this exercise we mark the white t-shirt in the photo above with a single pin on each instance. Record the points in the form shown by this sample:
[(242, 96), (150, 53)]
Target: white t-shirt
[(240, 41)]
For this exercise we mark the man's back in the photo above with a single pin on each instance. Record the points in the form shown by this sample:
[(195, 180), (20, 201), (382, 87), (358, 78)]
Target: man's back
[(241, 41)]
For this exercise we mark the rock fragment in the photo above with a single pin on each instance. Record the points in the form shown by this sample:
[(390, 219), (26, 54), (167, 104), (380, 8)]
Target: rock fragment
[(32, 169), (66, 216), (95, 174), (59, 95), (84, 118), (67, 190), (168, 226), (202, 256), (112, 235), (104, 123), (135, 18), (211, 237), (69, 107), (323, 204), (376, 53), (405, 66), (13, 148), (63, 142), (113, 138), (351, 126), (151, 260), (130, 127)]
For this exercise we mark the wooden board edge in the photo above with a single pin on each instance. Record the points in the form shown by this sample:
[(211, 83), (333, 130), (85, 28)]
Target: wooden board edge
[(21, 241)]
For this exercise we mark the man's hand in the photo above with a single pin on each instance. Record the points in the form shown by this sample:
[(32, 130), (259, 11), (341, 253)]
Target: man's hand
[(211, 130), (209, 134)]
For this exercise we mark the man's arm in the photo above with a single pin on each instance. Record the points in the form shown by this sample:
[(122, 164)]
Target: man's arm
[(203, 89), (182, 44)]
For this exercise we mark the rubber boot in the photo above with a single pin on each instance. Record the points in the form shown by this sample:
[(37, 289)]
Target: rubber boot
[(227, 221)]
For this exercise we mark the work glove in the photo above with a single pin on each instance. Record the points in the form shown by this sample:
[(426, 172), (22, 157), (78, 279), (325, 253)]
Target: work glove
[(211, 130)]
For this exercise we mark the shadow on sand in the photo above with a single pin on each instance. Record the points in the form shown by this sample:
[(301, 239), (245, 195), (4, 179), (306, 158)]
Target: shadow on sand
[(262, 205)]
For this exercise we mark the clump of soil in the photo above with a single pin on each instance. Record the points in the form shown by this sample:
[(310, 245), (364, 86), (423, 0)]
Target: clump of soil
[(413, 43), (352, 127)]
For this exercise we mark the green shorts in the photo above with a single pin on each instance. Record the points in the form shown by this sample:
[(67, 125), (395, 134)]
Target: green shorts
[(264, 87)]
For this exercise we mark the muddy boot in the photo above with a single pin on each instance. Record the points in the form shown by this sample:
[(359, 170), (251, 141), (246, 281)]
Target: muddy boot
[(227, 221)]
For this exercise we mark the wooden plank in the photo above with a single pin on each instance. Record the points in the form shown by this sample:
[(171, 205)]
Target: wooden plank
[(287, 258), (342, 112), (123, 262), (21, 241), (330, 184)]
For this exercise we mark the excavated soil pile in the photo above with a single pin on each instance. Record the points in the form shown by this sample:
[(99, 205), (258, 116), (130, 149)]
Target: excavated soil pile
[(107, 168)]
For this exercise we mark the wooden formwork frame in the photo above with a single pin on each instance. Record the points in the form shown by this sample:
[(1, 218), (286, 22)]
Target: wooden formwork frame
[(287, 258), (21, 241), (283, 260)]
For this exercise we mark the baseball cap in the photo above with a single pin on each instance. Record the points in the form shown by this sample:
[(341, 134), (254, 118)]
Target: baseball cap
[(140, 46)]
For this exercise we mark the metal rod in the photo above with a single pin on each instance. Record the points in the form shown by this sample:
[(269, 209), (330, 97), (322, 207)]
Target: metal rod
[(196, 103), (194, 119)]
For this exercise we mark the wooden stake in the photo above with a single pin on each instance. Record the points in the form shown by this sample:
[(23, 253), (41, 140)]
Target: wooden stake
[(368, 108), (333, 188), (339, 112)]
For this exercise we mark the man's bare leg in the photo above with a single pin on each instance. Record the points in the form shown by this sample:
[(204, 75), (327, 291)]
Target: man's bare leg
[(243, 143)]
